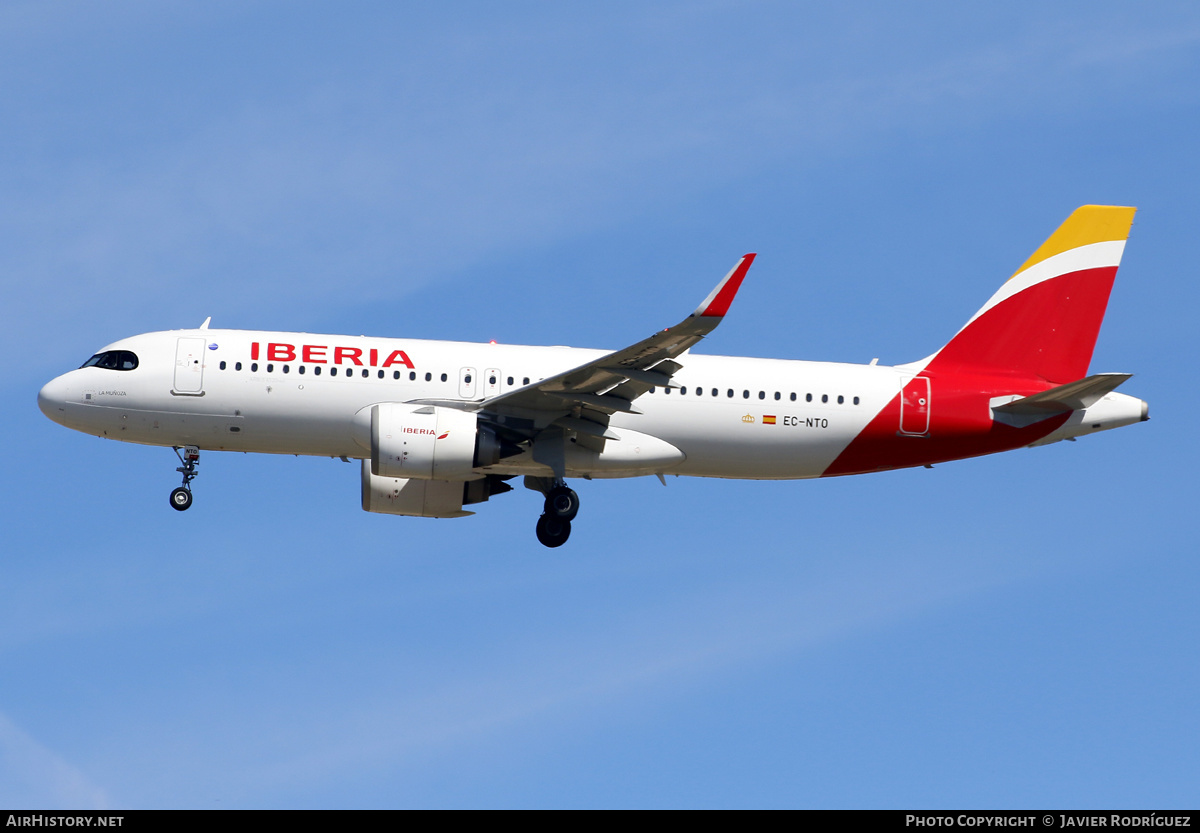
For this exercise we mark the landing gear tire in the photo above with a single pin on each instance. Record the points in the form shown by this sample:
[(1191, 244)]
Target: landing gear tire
[(189, 455), (562, 503), (181, 499), (553, 532)]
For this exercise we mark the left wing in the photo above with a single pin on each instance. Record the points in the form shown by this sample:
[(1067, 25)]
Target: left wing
[(600, 388)]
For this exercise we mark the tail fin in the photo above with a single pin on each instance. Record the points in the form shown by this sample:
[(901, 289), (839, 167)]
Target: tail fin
[(1045, 319)]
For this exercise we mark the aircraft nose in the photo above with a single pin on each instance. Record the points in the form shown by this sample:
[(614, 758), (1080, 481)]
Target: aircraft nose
[(52, 398)]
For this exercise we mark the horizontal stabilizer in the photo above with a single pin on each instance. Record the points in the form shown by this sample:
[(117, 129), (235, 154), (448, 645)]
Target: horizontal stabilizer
[(1073, 396)]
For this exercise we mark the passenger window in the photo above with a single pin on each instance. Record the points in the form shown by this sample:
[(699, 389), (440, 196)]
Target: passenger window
[(396, 374), (366, 373), (682, 391), (428, 377), (856, 400), (317, 370), (286, 369), (762, 394), (510, 381), (793, 397), (412, 377), (254, 367), (300, 370), (745, 394), (808, 397), (841, 399), (466, 379), (443, 377), (666, 390), (222, 365), (270, 368), (237, 366), (824, 397), (715, 393), (526, 382), (491, 380), (381, 374), (730, 393), (778, 396)]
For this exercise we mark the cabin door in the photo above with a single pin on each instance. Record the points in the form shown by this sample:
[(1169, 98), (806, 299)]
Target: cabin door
[(189, 366), (914, 407)]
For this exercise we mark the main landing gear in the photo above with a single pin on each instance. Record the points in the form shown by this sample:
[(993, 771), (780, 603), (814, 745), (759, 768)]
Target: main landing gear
[(554, 526), (181, 498)]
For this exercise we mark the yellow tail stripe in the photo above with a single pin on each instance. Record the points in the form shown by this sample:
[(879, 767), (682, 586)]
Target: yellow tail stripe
[(1087, 224)]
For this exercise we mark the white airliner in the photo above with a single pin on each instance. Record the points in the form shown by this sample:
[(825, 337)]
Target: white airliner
[(441, 425)]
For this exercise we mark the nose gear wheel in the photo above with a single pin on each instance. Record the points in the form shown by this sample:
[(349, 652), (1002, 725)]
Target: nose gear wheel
[(189, 456)]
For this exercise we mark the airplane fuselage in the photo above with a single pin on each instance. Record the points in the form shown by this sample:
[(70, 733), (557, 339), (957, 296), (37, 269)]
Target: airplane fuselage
[(732, 417)]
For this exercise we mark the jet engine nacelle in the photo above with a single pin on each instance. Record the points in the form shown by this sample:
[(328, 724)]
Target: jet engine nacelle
[(425, 498), (429, 443), (417, 498)]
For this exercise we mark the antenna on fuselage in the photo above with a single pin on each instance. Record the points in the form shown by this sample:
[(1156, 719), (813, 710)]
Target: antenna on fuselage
[(204, 326)]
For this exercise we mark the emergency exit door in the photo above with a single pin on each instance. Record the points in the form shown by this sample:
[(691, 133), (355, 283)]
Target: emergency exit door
[(467, 381)]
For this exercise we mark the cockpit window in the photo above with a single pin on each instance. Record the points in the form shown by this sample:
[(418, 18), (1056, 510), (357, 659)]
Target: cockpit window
[(113, 360)]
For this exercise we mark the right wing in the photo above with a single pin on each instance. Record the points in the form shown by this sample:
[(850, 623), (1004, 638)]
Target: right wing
[(610, 384)]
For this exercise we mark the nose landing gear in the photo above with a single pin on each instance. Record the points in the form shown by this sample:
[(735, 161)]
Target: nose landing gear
[(561, 507), (181, 498)]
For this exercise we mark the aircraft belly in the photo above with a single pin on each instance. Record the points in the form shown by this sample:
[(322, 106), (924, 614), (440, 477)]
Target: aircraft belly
[(278, 427), (778, 446)]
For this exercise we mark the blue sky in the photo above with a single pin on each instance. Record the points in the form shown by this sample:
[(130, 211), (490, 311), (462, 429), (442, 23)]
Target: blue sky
[(1012, 631)]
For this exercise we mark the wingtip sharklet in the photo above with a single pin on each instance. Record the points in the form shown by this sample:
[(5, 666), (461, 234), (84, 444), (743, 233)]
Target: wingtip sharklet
[(720, 299)]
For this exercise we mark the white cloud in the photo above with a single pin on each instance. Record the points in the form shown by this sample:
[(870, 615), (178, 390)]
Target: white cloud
[(32, 776)]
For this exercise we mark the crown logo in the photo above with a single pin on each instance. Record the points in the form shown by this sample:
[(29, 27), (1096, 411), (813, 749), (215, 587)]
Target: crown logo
[(748, 418)]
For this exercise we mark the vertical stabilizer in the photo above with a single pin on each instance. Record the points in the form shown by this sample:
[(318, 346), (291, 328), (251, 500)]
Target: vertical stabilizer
[(1044, 320)]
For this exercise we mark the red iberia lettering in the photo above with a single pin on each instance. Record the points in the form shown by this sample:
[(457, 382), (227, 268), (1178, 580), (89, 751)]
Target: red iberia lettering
[(374, 357), (398, 357), (281, 353), (254, 351), (351, 353), (316, 355)]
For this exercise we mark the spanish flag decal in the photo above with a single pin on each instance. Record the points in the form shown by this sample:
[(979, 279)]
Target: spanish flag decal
[(768, 419)]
